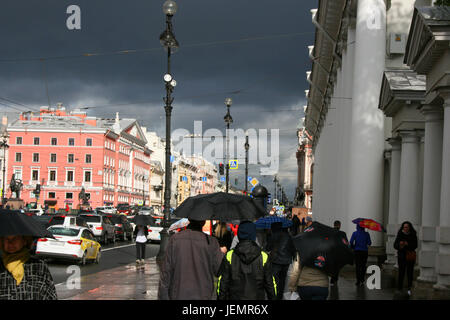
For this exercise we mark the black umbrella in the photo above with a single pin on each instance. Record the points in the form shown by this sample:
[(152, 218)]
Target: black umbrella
[(143, 220), (220, 206), (16, 223), (324, 248)]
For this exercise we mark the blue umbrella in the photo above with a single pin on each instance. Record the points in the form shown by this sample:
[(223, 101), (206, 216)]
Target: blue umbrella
[(266, 222)]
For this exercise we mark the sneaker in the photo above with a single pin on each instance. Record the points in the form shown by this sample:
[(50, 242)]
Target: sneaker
[(142, 261), (409, 292), (138, 261)]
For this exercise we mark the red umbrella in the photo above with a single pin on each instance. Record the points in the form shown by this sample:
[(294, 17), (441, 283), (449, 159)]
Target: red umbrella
[(369, 224)]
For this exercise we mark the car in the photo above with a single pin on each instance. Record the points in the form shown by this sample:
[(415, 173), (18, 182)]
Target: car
[(154, 229), (44, 219), (101, 226), (62, 218), (146, 211), (124, 208), (124, 228), (71, 242), (106, 209)]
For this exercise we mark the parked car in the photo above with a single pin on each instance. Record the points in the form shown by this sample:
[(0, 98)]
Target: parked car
[(74, 242), (106, 209), (101, 226), (124, 208), (146, 211), (124, 229)]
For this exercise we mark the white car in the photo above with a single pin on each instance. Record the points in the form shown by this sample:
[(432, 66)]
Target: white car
[(154, 230), (106, 209), (71, 242), (37, 212)]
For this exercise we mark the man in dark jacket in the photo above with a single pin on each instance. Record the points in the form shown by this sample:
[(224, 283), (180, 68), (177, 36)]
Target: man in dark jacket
[(282, 251), (191, 261), (360, 242), (246, 272)]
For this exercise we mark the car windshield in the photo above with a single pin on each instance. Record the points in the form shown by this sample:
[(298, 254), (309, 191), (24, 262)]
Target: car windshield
[(91, 218), (61, 231), (123, 206)]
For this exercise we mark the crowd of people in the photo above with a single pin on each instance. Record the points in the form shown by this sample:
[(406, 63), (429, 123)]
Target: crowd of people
[(232, 264)]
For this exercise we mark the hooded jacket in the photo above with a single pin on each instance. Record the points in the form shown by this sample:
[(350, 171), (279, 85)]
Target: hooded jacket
[(360, 240), (246, 274)]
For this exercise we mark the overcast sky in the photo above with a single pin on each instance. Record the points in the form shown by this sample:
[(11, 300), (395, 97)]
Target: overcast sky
[(252, 51)]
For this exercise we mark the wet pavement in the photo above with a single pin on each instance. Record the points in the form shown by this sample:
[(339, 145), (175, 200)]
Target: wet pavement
[(131, 282)]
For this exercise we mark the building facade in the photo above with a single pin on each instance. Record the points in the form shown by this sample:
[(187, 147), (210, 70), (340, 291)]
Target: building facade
[(64, 152), (377, 115)]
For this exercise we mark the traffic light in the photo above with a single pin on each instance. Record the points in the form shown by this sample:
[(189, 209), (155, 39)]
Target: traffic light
[(221, 169)]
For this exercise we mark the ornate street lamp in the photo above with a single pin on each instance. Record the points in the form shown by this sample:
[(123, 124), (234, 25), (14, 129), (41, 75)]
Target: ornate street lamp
[(168, 41), (4, 145), (228, 120)]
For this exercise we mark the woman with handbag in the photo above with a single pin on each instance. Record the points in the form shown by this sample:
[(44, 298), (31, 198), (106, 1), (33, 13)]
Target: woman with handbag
[(406, 245)]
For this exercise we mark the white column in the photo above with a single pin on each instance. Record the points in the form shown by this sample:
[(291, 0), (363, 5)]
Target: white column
[(409, 193), (443, 231), (394, 187), (367, 125), (431, 192)]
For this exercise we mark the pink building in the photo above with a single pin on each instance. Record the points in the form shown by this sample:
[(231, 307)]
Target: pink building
[(64, 152)]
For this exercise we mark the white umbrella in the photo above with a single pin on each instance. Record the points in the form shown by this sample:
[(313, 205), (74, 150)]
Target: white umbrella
[(179, 224)]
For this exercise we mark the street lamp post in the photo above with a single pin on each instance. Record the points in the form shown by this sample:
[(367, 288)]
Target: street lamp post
[(4, 145), (168, 41), (228, 120), (246, 146)]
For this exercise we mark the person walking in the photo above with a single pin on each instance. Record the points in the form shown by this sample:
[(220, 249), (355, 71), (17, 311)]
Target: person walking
[(295, 225), (360, 242), (310, 283), (406, 244), (224, 236), (337, 227), (191, 262), (23, 277), (282, 252), (246, 272), (140, 234)]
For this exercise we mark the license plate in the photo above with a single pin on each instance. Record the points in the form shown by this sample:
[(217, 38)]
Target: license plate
[(58, 243)]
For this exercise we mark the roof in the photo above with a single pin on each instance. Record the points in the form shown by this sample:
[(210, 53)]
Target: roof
[(405, 80)]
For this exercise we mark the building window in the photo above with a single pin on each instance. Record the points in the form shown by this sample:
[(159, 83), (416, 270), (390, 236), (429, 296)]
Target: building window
[(53, 157), (35, 175), (36, 141), (71, 141), (18, 157), (51, 195), (54, 141), (18, 140), (89, 142), (70, 176), (88, 158), (87, 176), (70, 158), (52, 175), (35, 157), (69, 195)]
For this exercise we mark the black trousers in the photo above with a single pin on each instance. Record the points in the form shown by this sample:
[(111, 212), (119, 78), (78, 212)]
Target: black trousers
[(405, 267), (140, 250), (361, 265), (279, 271)]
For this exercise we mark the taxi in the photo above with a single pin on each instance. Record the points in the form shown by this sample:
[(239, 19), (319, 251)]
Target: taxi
[(71, 242)]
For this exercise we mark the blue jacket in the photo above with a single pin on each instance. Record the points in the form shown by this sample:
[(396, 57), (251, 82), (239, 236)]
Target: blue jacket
[(360, 240)]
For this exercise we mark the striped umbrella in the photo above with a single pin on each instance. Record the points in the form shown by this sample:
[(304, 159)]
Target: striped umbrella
[(369, 224)]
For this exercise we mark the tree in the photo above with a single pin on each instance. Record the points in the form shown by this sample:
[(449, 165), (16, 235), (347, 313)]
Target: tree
[(442, 3)]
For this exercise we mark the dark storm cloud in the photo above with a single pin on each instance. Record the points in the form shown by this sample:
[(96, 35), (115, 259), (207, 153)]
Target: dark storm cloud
[(253, 51)]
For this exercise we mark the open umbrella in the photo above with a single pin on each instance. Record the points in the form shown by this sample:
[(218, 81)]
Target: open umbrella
[(324, 248), (369, 224), (220, 206), (143, 220), (266, 222), (15, 223)]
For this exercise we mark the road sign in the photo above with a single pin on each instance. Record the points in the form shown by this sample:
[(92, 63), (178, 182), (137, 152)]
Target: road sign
[(249, 179), (233, 164), (204, 179), (222, 179), (254, 182)]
